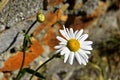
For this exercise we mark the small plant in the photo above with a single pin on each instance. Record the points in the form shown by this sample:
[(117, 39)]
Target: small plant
[(72, 45)]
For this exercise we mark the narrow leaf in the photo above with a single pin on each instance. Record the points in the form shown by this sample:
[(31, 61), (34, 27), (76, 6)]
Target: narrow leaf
[(36, 74)]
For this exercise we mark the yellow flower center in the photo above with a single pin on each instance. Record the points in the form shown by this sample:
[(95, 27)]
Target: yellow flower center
[(73, 45)]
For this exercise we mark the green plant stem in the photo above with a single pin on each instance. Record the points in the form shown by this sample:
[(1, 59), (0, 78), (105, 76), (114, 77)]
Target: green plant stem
[(18, 75), (31, 27), (24, 50), (55, 55), (99, 69)]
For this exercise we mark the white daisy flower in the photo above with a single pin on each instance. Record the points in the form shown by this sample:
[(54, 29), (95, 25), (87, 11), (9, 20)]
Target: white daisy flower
[(73, 44)]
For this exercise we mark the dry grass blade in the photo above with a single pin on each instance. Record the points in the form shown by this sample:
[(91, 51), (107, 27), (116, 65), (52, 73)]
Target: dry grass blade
[(2, 4)]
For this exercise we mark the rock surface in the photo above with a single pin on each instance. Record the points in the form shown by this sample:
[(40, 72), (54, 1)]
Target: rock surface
[(99, 18)]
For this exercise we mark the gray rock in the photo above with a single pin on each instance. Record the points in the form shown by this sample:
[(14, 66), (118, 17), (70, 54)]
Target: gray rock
[(57, 69), (104, 28), (89, 7), (14, 16), (1, 75), (2, 27), (6, 39)]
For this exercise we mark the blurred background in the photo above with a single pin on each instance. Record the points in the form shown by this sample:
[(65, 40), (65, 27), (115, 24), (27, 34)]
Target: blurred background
[(99, 18)]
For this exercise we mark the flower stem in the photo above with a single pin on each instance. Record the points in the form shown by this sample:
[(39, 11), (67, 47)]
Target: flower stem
[(55, 55), (31, 26), (24, 49), (18, 75)]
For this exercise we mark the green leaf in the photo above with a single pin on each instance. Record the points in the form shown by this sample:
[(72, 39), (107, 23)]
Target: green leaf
[(28, 38), (22, 73), (37, 74)]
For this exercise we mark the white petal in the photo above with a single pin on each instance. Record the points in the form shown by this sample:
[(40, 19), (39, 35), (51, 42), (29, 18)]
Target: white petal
[(64, 51), (57, 51), (60, 49), (83, 37), (76, 32), (87, 52), (84, 47), (79, 34), (64, 34), (83, 60), (63, 26), (87, 42), (61, 39), (68, 32), (71, 58), (78, 58), (85, 56), (66, 57), (58, 46), (63, 43), (72, 33)]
